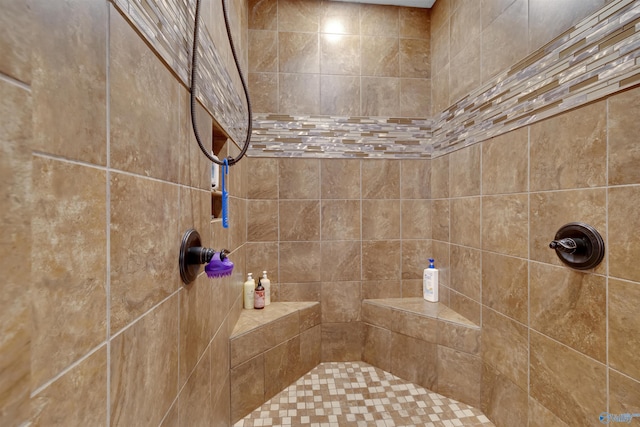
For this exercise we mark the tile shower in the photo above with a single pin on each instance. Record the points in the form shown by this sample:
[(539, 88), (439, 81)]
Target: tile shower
[(101, 171)]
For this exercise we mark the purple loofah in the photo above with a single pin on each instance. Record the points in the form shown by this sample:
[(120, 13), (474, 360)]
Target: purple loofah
[(219, 266)]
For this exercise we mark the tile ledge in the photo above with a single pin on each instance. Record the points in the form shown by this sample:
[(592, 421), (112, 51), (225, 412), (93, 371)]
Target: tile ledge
[(251, 320), (419, 306)]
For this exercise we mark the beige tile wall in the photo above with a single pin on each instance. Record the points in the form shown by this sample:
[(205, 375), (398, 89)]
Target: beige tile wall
[(101, 178), (551, 335), (493, 209), (338, 231), (335, 58)]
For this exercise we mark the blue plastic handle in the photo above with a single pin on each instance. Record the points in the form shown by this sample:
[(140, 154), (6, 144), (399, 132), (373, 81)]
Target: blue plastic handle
[(225, 194)]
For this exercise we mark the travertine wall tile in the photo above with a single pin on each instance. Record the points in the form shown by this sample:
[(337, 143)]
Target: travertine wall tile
[(505, 346), (300, 262), (247, 387), (298, 15), (299, 220), (415, 255), (341, 261), (144, 367), (139, 208), (466, 271), (624, 222), (566, 150), (414, 360), (502, 401), (464, 175), (546, 22), (379, 19), (340, 95), (539, 416), (341, 220), (416, 219), (381, 260), (298, 53), (70, 58), (459, 375), (69, 304), (299, 179), (263, 14), (196, 314), (505, 224), (623, 152), (554, 372), (340, 179), (465, 221), (340, 302), (573, 310), (347, 15), (15, 250), (505, 285), (263, 51), (342, 342), (623, 320), (262, 178), (504, 40), (58, 404), (380, 220), (505, 161), (380, 179), (283, 366), (377, 347), (16, 41), (144, 122), (195, 402), (415, 23), (624, 394)]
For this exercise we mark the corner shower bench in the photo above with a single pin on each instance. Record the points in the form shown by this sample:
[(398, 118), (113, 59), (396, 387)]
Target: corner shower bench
[(426, 343)]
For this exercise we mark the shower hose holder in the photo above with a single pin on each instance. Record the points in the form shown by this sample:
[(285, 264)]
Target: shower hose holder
[(192, 255), (578, 245)]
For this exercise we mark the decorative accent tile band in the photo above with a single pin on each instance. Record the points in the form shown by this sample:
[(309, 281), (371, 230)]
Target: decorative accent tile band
[(167, 25), (313, 136), (594, 59)]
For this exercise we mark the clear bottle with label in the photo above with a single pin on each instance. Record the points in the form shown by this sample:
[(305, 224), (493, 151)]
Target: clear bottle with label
[(258, 301), (249, 291), (430, 282), (267, 288)]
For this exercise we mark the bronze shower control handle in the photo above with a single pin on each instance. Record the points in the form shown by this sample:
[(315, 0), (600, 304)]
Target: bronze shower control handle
[(578, 245), (569, 245)]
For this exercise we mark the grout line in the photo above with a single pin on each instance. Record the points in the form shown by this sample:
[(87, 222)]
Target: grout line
[(134, 321), (606, 231), (529, 260), (15, 82), (66, 370), (108, 168), (108, 211)]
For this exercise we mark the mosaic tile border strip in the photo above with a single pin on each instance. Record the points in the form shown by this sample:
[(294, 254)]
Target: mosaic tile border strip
[(167, 25), (594, 59), (310, 136)]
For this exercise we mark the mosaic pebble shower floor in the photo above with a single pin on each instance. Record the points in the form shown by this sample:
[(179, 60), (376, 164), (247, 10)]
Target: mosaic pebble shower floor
[(357, 394)]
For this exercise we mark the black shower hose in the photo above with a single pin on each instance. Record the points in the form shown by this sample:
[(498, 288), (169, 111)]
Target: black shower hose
[(194, 65)]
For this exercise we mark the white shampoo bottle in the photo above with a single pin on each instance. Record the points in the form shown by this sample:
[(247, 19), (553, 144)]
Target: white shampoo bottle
[(430, 282), (249, 290), (267, 288)]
